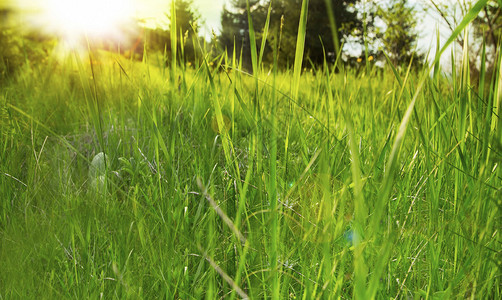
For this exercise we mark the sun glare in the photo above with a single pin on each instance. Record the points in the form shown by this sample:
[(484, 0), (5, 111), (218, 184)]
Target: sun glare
[(73, 20)]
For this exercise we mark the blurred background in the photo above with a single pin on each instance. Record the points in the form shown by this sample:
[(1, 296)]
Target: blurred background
[(403, 29)]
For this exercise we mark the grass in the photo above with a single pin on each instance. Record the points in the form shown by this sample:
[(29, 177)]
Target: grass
[(377, 184)]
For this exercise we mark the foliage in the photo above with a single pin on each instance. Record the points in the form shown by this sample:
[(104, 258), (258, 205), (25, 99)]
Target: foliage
[(487, 29), (20, 48), (11, 57), (187, 19), (489, 23), (284, 27), (157, 39), (235, 29), (400, 36), (318, 35)]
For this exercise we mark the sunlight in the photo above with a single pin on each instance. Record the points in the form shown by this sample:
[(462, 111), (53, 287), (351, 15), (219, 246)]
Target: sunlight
[(73, 20)]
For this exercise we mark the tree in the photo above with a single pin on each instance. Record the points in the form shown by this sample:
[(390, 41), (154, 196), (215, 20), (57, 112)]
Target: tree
[(9, 53), (158, 39), (235, 28), (284, 20), (348, 23), (487, 26), (400, 37), (186, 28), (186, 18), (19, 47)]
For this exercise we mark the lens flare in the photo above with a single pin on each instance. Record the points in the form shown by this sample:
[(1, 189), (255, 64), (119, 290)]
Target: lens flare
[(74, 20)]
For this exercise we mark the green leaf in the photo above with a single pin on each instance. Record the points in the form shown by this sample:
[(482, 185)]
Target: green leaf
[(300, 47), (265, 34), (252, 41)]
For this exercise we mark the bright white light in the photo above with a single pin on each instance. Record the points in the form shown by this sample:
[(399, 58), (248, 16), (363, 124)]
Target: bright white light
[(74, 20)]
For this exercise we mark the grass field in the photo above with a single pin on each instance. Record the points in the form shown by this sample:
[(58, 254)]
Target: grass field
[(216, 183)]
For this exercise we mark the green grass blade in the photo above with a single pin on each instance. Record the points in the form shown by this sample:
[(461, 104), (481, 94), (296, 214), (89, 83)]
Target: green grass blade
[(334, 32), (361, 215), (265, 35), (392, 162), (468, 18), (497, 99), (300, 46), (252, 43), (437, 65), (174, 42), (275, 227), (482, 75)]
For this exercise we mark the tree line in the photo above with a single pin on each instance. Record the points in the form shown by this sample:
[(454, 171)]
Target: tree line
[(365, 30), (356, 33)]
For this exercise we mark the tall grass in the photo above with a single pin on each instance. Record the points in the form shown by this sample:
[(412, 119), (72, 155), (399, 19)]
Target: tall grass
[(384, 184)]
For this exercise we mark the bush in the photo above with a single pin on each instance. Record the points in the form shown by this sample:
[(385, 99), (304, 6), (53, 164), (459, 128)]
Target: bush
[(19, 48), (11, 57)]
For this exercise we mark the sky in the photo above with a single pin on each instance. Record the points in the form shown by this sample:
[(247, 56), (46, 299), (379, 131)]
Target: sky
[(209, 10), (153, 11)]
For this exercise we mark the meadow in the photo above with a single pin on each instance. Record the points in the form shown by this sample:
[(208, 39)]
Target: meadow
[(220, 183)]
